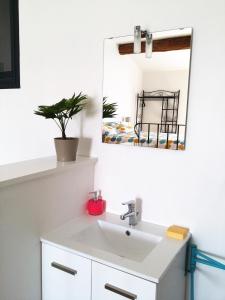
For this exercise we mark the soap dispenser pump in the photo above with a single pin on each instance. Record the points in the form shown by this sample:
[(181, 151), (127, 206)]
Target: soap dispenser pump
[(102, 201), (95, 205)]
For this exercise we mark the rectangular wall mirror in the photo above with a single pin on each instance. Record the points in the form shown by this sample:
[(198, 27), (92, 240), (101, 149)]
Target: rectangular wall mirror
[(9, 44), (145, 99)]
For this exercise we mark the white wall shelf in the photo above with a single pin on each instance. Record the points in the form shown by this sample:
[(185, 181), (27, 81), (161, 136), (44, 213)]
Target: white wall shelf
[(32, 169)]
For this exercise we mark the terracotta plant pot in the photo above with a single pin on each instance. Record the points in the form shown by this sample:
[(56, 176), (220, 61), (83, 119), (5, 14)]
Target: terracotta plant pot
[(66, 149)]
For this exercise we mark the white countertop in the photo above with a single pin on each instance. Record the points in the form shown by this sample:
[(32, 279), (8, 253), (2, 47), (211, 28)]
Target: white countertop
[(35, 168), (152, 268)]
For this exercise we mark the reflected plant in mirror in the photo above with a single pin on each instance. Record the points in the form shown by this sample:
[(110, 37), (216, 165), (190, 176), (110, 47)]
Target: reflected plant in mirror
[(151, 93), (108, 112), (109, 109)]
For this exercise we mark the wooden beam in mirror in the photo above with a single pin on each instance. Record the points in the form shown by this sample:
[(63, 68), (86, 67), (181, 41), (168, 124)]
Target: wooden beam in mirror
[(161, 45)]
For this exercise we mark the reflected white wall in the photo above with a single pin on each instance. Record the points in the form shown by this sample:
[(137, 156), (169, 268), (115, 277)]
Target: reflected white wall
[(125, 76), (122, 80), (167, 80)]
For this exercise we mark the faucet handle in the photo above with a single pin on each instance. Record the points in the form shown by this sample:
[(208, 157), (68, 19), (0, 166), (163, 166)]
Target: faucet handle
[(129, 203)]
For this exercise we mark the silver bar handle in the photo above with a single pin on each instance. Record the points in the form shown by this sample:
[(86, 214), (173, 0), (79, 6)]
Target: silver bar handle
[(63, 268), (120, 292)]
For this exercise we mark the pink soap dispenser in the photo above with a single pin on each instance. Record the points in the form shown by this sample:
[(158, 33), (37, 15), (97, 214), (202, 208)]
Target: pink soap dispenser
[(96, 205)]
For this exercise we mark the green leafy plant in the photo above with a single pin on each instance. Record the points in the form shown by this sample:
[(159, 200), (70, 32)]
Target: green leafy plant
[(63, 111), (109, 109)]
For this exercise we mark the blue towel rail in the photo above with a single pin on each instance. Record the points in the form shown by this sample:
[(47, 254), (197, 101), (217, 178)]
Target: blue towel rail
[(199, 256)]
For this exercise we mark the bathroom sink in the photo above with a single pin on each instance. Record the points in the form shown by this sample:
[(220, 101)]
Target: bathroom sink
[(122, 241)]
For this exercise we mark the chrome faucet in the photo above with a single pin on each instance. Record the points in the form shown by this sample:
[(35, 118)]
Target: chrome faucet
[(132, 213)]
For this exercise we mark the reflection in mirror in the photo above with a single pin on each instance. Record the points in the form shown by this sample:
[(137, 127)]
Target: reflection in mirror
[(145, 100)]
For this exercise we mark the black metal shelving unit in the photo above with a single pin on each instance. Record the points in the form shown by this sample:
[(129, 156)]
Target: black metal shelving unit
[(169, 112)]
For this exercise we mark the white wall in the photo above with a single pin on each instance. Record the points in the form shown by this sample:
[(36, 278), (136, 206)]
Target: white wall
[(62, 51), (28, 210)]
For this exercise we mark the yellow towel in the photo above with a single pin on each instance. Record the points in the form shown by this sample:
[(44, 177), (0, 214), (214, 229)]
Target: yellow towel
[(177, 232)]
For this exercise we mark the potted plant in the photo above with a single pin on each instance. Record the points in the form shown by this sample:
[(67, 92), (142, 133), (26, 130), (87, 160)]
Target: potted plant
[(61, 112)]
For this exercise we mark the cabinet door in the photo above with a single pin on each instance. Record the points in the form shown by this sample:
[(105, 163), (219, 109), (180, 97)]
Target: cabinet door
[(111, 284), (65, 276)]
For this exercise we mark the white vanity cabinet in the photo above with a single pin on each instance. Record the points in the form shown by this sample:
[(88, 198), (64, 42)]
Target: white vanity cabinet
[(68, 276), (65, 276), (112, 284)]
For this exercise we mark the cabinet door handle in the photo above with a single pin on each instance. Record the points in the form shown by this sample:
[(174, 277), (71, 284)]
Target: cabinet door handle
[(63, 268), (120, 292)]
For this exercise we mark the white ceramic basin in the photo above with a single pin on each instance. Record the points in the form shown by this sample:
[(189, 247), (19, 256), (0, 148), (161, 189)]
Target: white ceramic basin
[(124, 242)]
